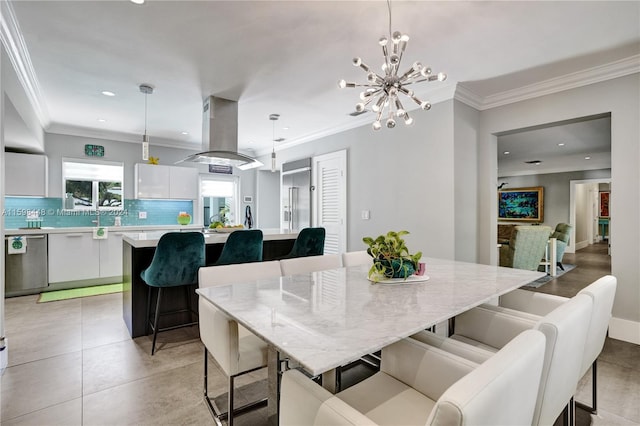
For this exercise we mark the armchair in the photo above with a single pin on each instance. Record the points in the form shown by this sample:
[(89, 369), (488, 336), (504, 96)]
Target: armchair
[(419, 384), (526, 247), (562, 234)]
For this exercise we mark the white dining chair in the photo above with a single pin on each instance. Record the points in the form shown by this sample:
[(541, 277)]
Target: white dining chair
[(422, 385), (602, 293), (236, 350), (302, 265), (488, 328), (356, 258)]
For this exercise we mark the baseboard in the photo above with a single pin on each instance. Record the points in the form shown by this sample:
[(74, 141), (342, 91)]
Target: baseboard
[(622, 329), (582, 244)]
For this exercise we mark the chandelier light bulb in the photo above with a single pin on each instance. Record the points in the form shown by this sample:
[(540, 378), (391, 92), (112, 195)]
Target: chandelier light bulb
[(425, 105), (342, 84), (408, 120), (359, 107), (394, 59), (357, 62), (404, 37), (442, 76), (391, 123), (426, 71), (376, 125), (383, 41), (371, 77), (397, 36)]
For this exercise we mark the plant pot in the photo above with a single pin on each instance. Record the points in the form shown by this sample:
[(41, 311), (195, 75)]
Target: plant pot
[(397, 268)]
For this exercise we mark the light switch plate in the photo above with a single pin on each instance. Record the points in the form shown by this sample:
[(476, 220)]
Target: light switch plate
[(365, 214), (142, 215)]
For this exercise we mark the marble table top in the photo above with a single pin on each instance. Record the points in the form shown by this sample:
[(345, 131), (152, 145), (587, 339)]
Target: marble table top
[(327, 319)]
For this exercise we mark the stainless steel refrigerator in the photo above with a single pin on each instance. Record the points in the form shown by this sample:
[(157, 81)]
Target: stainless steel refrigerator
[(296, 195)]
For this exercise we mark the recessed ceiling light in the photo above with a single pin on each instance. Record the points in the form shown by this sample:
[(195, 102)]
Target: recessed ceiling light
[(506, 153), (102, 120), (137, 1), (184, 133), (285, 128), (587, 158), (561, 144), (108, 93)]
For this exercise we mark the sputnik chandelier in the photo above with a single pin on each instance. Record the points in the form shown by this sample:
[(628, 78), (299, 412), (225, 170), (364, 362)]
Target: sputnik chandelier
[(381, 91)]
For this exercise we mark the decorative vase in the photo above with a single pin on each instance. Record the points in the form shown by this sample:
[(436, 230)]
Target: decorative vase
[(184, 218), (397, 268)]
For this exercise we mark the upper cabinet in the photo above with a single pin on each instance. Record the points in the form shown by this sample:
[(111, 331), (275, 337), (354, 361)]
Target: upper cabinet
[(26, 175), (166, 182)]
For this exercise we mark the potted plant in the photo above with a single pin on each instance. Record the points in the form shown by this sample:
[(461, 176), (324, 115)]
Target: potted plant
[(391, 257)]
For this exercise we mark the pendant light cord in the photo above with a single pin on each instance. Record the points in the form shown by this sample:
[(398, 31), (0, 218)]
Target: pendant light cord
[(389, 7), (145, 113)]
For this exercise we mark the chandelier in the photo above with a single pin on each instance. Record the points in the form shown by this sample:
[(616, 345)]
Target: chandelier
[(382, 92)]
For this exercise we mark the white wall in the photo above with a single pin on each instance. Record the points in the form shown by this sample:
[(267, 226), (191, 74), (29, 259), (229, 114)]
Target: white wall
[(466, 121), (620, 98), (405, 177)]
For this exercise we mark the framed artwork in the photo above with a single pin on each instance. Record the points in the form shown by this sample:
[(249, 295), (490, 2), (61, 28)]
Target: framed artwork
[(521, 204), (604, 204)]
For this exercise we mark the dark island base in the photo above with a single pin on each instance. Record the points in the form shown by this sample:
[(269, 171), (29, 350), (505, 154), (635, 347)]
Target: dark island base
[(135, 291)]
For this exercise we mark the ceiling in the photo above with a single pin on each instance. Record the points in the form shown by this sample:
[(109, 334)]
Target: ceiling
[(286, 57), (583, 144)]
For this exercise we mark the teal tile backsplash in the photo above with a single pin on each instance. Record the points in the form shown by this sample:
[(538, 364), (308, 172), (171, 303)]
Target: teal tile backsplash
[(159, 212)]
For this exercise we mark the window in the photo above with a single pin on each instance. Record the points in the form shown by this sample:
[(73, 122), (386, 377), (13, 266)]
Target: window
[(92, 185), (220, 200)]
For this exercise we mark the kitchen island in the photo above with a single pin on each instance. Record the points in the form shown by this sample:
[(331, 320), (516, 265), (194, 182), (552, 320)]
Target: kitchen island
[(137, 253)]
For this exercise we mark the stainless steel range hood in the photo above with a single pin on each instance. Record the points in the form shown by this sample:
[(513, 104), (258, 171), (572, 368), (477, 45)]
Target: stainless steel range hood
[(220, 136)]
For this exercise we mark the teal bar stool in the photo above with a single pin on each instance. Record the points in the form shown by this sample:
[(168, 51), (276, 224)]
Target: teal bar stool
[(175, 263), (242, 246), (310, 242)]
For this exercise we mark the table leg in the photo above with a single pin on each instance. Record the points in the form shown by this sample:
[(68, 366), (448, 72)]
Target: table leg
[(273, 373), (329, 380)]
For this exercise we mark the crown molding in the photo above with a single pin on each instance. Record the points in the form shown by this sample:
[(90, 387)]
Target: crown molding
[(620, 68), (16, 48)]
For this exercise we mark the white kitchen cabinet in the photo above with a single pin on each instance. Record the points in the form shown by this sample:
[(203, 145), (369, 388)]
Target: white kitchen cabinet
[(111, 256), (26, 174), (183, 183), (166, 182), (73, 256), (152, 181)]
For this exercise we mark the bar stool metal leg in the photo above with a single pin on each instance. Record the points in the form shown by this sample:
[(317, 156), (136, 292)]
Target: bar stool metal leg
[(155, 321)]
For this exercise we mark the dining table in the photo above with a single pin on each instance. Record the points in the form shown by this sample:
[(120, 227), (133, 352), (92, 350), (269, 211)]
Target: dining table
[(324, 320)]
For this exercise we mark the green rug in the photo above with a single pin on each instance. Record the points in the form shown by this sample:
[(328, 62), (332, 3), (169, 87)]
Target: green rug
[(73, 293)]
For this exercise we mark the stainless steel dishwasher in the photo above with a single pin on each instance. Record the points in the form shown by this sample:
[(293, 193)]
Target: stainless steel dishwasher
[(26, 273)]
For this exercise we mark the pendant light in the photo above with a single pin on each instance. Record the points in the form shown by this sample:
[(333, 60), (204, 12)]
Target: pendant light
[(147, 90), (273, 118)]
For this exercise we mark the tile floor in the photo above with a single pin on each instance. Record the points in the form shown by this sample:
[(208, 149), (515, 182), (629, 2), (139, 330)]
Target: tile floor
[(73, 363)]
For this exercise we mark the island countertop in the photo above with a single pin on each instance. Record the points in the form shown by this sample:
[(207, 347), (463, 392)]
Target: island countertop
[(151, 238)]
